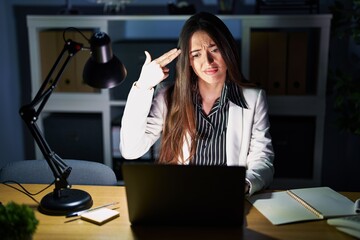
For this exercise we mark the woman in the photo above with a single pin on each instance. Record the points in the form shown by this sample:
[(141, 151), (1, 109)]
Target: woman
[(209, 116)]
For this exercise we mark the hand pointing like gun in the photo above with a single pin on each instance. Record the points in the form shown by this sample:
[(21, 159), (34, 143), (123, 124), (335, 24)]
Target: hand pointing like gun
[(155, 71)]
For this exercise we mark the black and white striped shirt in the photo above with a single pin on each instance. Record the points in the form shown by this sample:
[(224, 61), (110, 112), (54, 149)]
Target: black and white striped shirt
[(211, 128)]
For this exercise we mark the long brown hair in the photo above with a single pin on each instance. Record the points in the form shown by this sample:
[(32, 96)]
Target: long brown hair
[(179, 125)]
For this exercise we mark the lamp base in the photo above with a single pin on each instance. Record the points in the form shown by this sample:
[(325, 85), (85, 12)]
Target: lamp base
[(70, 200)]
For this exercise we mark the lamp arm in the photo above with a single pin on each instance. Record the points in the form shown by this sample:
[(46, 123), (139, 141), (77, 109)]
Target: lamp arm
[(30, 114)]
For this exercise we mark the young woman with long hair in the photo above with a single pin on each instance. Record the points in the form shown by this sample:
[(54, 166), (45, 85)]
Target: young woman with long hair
[(211, 115)]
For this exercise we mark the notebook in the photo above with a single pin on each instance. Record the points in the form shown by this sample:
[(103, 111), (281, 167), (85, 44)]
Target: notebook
[(303, 204), (184, 195)]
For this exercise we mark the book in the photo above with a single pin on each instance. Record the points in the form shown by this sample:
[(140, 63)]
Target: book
[(303, 204)]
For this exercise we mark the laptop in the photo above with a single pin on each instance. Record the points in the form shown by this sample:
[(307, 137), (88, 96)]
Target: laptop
[(181, 195)]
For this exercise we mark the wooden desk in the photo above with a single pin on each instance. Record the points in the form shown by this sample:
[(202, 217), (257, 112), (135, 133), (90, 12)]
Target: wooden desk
[(256, 225)]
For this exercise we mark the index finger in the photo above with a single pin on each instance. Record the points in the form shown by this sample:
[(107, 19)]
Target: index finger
[(168, 57)]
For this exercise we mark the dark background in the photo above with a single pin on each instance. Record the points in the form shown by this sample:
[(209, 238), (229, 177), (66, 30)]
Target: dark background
[(341, 151)]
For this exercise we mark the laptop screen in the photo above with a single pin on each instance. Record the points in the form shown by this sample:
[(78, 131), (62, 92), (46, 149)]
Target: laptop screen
[(184, 194)]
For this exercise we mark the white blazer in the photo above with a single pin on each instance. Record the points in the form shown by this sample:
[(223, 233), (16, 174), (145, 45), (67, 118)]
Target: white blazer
[(248, 141)]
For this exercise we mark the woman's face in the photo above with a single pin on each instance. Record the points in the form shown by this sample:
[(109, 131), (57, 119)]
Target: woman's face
[(206, 59)]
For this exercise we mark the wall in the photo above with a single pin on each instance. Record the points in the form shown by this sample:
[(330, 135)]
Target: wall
[(11, 147)]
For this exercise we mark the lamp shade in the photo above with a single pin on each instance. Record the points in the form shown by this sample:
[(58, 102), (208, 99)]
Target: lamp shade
[(103, 69)]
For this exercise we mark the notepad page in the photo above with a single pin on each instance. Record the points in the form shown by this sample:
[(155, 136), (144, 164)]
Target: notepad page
[(100, 216), (327, 201), (281, 208)]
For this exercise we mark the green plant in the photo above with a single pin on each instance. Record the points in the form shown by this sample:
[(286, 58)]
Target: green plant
[(17, 222), (347, 102), (346, 81), (346, 20)]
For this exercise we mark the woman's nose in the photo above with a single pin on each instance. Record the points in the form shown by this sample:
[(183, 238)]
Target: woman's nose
[(209, 58)]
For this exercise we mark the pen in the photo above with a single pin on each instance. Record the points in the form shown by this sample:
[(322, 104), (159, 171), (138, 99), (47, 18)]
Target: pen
[(357, 206), (74, 214)]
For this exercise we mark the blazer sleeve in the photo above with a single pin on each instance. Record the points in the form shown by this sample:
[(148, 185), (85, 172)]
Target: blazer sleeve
[(260, 156), (142, 122)]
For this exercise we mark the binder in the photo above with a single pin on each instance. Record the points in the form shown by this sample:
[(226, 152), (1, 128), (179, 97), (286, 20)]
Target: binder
[(297, 63), (52, 43), (259, 55), (277, 63)]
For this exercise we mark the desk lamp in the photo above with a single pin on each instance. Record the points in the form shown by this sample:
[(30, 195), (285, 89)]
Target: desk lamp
[(102, 70)]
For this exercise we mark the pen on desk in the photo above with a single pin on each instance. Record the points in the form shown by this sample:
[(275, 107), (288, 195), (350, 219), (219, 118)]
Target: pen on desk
[(357, 206), (74, 214)]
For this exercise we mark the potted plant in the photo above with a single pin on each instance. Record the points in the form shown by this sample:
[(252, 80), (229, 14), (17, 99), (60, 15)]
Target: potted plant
[(346, 78), (17, 222)]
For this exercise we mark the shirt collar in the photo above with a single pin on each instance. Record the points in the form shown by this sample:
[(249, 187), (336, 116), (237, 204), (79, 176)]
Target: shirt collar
[(230, 92), (235, 94)]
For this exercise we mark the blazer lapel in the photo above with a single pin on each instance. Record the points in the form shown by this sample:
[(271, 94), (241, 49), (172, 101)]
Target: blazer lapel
[(234, 134)]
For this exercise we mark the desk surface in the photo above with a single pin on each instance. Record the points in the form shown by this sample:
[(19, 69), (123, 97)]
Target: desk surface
[(256, 225)]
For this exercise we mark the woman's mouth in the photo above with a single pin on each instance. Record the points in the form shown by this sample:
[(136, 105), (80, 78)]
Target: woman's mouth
[(211, 71)]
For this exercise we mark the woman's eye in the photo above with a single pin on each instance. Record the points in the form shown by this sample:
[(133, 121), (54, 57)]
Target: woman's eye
[(195, 55), (214, 50)]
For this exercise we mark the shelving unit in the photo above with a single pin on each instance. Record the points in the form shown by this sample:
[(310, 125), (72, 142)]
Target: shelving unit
[(309, 105), (165, 30)]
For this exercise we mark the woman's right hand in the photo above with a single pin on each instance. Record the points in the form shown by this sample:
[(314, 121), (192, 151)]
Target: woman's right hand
[(155, 71)]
